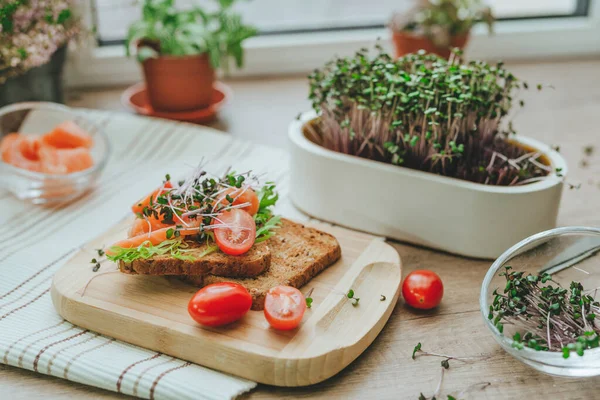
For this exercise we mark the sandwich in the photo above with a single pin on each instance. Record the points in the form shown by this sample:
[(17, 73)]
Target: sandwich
[(207, 229)]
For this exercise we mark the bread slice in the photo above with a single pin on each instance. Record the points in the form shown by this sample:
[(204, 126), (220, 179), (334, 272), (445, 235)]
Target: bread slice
[(253, 263), (298, 253)]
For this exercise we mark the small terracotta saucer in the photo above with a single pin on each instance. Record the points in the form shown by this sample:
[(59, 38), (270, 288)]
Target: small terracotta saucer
[(136, 99)]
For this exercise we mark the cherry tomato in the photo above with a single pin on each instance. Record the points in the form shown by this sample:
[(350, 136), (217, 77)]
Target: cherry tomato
[(241, 196), (422, 289), (284, 307), (238, 231), (220, 304)]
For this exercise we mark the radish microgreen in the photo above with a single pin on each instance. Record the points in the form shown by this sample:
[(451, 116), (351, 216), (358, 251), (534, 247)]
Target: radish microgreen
[(355, 300), (448, 117), (309, 299), (549, 317)]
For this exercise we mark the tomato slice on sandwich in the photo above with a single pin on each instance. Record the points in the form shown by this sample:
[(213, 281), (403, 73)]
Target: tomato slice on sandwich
[(235, 231)]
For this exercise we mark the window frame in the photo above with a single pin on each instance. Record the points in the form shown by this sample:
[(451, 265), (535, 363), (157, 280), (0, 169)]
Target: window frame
[(300, 52)]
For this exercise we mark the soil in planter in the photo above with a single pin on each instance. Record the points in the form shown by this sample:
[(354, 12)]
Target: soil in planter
[(486, 166)]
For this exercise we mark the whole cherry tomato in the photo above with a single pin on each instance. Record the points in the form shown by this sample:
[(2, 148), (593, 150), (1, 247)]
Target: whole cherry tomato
[(422, 289), (220, 304), (284, 307)]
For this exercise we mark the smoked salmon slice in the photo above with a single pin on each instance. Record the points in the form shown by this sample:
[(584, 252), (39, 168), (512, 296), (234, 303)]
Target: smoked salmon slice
[(64, 161), (29, 147), (62, 151), (68, 135), (7, 145), (145, 225), (18, 150)]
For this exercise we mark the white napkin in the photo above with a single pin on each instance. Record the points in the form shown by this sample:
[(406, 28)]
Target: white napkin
[(36, 241)]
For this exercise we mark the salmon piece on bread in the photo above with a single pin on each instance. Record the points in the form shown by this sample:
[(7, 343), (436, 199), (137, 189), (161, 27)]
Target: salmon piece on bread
[(253, 263), (298, 253)]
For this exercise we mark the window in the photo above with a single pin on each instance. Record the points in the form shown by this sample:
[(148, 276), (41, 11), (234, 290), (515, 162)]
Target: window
[(293, 16), (297, 36)]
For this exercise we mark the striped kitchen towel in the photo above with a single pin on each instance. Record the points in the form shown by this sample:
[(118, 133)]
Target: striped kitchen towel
[(36, 241)]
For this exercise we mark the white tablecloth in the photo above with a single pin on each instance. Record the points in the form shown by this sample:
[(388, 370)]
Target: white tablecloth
[(36, 241)]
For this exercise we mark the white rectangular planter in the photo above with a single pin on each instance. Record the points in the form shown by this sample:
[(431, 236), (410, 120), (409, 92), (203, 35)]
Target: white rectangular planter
[(449, 214)]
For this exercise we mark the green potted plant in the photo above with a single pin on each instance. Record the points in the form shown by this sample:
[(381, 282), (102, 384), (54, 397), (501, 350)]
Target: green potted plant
[(33, 46), (436, 26), (422, 149), (181, 49)]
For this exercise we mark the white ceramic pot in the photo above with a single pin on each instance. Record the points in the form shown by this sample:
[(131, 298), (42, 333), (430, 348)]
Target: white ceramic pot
[(418, 207)]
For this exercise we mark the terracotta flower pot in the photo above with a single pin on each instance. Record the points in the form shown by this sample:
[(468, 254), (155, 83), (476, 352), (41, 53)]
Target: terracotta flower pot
[(407, 43), (179, 83)]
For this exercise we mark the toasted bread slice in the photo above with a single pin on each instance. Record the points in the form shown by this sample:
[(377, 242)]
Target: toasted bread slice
[(298, 253), (253, 263)]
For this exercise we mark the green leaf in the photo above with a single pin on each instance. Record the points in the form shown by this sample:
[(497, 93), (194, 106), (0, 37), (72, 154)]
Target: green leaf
[(309, 302), (176, 248), (267, 197), (268, 229), (63, 16), (146, 53), (416, 349)]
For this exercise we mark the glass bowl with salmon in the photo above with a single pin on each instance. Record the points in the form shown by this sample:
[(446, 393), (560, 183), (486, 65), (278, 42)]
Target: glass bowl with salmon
[(49, 153)]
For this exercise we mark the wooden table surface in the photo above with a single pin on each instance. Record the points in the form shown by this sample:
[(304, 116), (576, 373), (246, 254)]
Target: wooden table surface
[(565, 116)]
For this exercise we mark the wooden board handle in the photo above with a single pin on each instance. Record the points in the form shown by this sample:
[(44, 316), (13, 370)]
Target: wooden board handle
[(351, 327)]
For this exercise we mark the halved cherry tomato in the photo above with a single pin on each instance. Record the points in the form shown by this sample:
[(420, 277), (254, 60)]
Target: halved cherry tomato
[(284, 307), (138, 207), (241, 196), (422, 289), (237, 232), (220, 304)]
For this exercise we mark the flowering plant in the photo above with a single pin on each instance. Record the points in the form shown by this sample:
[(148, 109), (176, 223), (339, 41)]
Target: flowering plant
[(31, 31)]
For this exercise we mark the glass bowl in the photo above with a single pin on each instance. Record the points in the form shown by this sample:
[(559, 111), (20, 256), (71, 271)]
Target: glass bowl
[(568, 254), (40, 188)]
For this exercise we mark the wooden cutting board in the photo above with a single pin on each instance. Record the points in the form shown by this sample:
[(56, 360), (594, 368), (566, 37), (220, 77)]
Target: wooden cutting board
[(151, 312)]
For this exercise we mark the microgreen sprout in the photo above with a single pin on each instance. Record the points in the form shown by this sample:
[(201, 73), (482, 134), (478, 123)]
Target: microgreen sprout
[(309, 299), (96, 264), (355, 300), (415, 350), (445, 364), (423, 112), (418, 351), (545, 317)]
